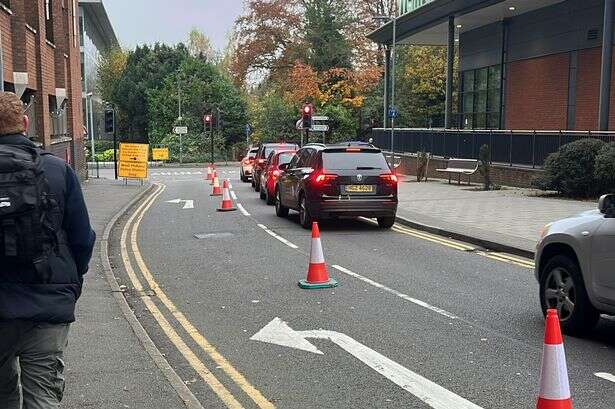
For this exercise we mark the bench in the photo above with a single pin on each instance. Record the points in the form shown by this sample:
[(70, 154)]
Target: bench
[(460, 167)]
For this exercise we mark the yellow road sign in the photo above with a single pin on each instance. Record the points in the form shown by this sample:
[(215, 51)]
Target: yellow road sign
[(160, 153), (133, 160)]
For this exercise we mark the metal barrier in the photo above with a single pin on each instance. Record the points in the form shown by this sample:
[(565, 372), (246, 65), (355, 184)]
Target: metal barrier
[(524, 148)]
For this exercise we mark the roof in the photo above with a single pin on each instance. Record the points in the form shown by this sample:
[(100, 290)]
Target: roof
[(428, 25), (97, 24)]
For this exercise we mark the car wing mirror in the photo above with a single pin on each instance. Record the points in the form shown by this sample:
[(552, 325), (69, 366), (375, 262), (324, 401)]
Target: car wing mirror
[(606, 204), (284, 166)]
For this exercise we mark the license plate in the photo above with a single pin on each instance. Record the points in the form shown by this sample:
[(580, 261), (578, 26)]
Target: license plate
[(359, 188)]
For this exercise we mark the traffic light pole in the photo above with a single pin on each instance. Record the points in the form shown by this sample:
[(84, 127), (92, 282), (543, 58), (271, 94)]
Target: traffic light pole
[(115, 147), (211, 133)]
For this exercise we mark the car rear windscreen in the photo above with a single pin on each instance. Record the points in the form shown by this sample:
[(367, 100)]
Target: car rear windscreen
[(286, 158), (268, 149), (354, 160)]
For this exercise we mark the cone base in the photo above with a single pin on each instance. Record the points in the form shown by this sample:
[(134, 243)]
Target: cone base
[(554, 404), (216, 194), (230, 209), (314, 286)]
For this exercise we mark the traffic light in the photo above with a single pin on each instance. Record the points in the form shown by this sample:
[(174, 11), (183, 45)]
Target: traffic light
[(109, 121), (306, 114), (208, 121)]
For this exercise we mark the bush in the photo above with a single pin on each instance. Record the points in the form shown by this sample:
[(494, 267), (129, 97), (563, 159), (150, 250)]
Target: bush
[(106, 156), (571, 171), (605, 168)]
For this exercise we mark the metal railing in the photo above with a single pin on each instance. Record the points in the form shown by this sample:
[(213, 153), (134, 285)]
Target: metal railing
[(520, 148)]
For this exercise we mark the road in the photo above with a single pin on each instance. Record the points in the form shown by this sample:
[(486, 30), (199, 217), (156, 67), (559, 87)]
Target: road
[(418, 321)]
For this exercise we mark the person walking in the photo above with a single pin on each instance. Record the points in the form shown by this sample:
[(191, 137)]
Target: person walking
[(46, 242)]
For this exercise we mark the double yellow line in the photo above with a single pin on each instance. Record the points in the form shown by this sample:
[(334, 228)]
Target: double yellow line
[(505, 258), (131, 229)]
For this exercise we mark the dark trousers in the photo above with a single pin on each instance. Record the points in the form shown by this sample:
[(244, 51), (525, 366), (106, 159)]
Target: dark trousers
[(31, 366)]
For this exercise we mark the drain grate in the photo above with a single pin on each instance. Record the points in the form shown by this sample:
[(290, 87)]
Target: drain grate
[(213, 236)]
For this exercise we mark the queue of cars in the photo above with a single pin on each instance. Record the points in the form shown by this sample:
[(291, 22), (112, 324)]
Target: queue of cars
[(345, 180)]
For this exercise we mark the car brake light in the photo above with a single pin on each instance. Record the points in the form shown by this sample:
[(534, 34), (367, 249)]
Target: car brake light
[(353, 149), (276, 173), (390, 178), (322, 178)]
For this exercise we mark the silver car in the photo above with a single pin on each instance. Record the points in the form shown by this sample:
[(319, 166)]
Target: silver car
[(575, 266)]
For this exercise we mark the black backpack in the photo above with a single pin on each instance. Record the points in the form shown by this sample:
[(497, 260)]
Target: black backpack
[(28, 211)]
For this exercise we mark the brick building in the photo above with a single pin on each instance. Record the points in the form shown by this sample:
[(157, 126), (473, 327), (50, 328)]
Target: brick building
[(524, 64), (41, 63)]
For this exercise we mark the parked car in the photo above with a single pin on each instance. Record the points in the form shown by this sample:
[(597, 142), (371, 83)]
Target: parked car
[(272, 173), (261, 159), (247, 164), (575, 266), (332, 181)]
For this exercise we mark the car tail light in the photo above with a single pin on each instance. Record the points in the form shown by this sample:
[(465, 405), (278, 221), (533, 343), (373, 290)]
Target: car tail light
[(276, 174), (389, 179), (261, 161), (353, 149), (323, 178)]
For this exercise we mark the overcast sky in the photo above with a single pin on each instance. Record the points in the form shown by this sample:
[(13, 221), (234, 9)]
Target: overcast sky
[(147, 21)]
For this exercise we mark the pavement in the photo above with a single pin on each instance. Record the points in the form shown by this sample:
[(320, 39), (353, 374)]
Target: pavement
[(224, 307), (511, 217), (107, 367)]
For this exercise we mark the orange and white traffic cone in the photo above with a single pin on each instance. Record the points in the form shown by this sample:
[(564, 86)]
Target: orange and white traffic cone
[(214, 174), (216, 191), (209, 173), (554, 386), (317, 275), (227, 203)]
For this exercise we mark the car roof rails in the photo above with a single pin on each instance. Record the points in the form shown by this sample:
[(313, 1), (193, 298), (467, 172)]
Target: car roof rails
[(315, 144)]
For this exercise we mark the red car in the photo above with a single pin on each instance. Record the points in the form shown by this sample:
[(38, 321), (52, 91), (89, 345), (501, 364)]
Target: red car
[(272, 172)]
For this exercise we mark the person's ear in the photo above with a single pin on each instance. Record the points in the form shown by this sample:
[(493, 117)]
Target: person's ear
[(26, 122)]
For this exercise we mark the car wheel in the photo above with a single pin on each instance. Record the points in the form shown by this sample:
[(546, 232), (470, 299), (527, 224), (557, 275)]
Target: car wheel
[(262, 192), (304, 215), (242, 176), (253, 183), (562, 288), (280, 209), (268, 198), (386, 222)]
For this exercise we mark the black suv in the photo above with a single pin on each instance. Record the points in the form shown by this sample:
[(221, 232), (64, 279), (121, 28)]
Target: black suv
[(261, 159), (329, 181)]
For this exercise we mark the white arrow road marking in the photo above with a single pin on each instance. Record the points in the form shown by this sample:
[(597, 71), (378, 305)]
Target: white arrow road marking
[(188, 204), (233, 195), (605, 375), (242, 209), (397, 293), (278, 237), (277, 332)]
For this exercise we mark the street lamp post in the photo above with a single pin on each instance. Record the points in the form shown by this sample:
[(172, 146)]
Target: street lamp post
[(90, 119), (179, 119)]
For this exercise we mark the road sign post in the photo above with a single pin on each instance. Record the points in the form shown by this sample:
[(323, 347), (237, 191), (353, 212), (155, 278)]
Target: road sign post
[(180, 130)]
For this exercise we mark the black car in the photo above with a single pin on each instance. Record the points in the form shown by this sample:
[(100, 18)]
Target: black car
[(330, 181), (260, 160)]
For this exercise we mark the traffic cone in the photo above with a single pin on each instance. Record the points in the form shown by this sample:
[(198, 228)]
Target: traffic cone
[(227, 203), (317, 275), (214, 174), (209, 173), (216, 191), (554, 386)]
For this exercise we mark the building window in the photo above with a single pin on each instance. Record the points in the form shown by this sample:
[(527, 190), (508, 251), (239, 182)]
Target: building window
[(480, 98), (49, 20)]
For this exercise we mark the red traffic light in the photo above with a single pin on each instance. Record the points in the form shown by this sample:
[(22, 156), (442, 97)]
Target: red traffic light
[(307, 109), (208, 118)]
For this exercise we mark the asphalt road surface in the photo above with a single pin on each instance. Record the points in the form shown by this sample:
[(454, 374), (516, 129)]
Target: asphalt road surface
[(418, 321)]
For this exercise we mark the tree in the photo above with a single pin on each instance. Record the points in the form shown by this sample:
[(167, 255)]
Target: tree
[(204, 90), (273, 118), (199, 45), (323, 33)]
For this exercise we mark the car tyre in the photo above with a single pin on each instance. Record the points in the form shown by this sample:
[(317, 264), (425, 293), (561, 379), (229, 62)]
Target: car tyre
[(562, 288), (242, 176), (268, 198), (386, 222), (262, 192), (305, 219), (280, 209)]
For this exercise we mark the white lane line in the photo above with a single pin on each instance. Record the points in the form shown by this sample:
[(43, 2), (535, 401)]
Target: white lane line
[(242, 209), (606, 376), (278, 237), (233, 195), (230, 186), (397, 293)]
